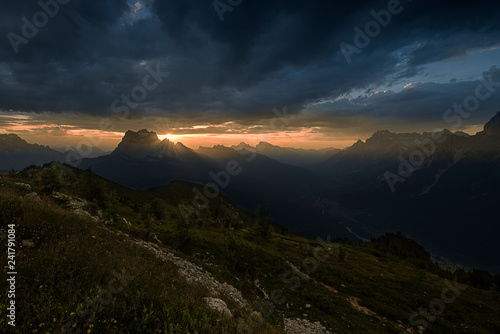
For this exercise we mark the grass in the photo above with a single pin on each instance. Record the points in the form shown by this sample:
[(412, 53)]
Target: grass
[(73, 258)]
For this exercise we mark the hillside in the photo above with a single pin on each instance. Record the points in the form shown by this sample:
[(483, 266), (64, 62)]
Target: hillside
[(440, 188), (150, 262)]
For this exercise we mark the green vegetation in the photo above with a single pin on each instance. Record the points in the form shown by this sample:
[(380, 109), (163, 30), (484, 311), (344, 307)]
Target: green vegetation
[(350, 288)]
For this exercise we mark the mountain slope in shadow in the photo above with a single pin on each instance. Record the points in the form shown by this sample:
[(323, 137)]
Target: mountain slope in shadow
[(446, 201)]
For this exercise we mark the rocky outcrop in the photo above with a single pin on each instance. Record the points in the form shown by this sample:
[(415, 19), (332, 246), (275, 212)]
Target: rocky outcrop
[(23, 185), (75, 204), (32, 197), (218, 305), (304, 326), (193, 273)]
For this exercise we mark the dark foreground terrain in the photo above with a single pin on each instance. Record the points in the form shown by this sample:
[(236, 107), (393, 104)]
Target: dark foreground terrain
[(96, 257)]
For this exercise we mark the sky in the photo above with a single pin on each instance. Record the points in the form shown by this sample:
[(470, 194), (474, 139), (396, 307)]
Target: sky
[(299, 73)]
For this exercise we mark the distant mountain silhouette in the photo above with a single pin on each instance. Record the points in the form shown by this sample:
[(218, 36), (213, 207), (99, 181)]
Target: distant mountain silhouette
[(144, 145), (493, 126), (442, 188), (16, 153), (366, 160), (386, 151), (89, 151), (141, 160), (288, 155)]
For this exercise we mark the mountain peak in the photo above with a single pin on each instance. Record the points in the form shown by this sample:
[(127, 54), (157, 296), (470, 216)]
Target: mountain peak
[(138, 144), (11, 140), (493, 125), (381, 135), (12, 135), (220, 147), (263, 145), (242, 146), (141, 135), (461, 134), (359, 143)]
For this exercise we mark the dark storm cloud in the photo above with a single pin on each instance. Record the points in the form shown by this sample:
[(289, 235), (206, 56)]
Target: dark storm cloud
[(264, 54), (419, 102)]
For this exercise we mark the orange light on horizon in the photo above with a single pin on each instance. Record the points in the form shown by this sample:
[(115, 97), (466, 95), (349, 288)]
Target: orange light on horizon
[(170, 137), (297, 140)]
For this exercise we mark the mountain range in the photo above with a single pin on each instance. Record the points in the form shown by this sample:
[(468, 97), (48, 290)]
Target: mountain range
[(16, 153), (441, 188), (288, 155)]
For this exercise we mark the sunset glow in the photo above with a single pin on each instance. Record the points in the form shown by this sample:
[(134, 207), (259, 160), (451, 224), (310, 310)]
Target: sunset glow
[(169, 137), (74, 131)]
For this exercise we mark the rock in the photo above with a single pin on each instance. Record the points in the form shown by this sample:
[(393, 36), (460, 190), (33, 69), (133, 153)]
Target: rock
[(193, 273), (308, 305), (84, 213), (218, 305), (304, 326), (23, 185), (60, 196), (28, 243), (76, 204), (155, 238), (32, 197)]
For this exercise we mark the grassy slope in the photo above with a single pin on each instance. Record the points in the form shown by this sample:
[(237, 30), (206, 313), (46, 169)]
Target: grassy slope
[(74, 256)]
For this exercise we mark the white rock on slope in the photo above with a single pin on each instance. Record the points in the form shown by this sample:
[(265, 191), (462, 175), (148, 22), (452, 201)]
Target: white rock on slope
[(303, 326), (218, 305)]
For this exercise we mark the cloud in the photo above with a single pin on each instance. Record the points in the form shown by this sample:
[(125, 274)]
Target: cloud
[(265, 54)]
